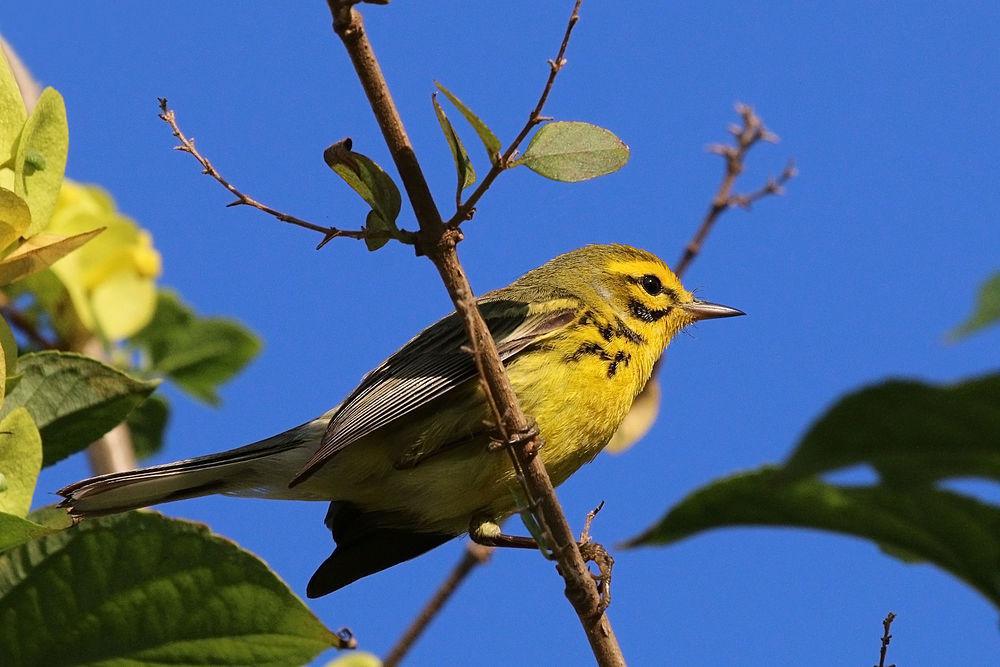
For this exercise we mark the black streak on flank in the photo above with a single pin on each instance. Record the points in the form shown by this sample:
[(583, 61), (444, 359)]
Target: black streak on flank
[(594, 349), (641, 312), (620, 358)]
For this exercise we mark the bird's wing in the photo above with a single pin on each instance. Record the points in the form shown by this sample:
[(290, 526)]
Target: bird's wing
[(431, 365)]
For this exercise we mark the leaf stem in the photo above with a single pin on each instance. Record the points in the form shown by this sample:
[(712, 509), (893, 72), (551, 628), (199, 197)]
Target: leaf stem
[(27, 327)]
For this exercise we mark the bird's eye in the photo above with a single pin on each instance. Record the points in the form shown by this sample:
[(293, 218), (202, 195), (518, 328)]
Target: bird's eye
[(651, 284)]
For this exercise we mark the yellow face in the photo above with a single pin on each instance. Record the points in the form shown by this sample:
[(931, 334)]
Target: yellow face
[(647, 295)]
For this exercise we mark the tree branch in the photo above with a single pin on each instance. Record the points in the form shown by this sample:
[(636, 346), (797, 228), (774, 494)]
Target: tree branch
[(113, 451), (501, 162), (474, 555), (886, 638), (168, 116), (438, 241), (746, 135), (27, 327)]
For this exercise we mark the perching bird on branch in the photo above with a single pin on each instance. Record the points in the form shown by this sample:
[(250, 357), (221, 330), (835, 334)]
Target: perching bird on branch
[(409, 459)]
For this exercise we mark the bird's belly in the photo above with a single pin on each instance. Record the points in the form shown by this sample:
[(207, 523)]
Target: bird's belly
[(577, 407)]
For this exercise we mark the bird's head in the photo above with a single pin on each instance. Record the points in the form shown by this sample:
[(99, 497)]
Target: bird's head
[(637, 287)]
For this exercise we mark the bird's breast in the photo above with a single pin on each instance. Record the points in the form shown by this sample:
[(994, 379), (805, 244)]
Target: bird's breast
[(579, 389)]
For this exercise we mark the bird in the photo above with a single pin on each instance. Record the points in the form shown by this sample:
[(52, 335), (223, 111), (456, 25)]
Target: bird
[(406, 460)]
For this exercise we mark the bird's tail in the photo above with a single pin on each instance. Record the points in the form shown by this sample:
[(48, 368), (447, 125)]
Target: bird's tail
[(261, 469)]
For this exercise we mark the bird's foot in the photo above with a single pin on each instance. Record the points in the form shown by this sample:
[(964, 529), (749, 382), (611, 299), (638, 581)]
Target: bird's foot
[(488, 534), (528, 435), (595, 553)]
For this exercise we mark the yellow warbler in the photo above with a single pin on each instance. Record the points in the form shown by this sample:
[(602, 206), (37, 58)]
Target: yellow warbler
[(406, 458)]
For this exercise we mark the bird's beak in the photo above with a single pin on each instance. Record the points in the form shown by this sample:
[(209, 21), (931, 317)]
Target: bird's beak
[(705, 310)]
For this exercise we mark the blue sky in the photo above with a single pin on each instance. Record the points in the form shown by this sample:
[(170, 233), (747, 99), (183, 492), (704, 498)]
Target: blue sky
[(853, 277)]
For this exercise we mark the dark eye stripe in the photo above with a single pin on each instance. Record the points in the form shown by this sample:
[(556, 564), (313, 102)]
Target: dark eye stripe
[(641, 312)]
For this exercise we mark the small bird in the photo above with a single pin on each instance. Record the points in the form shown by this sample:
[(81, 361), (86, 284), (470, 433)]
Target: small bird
[(406, 460)]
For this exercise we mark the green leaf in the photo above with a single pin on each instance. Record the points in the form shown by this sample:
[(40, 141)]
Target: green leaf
[(463, 165), (574, 151), (9, 348), (367, 179), (141, 589), (987, 309), (39, 252), (15, 530), (197, 353), (73, 399), (377, 231), (20, 461), (41, 158), (146, 425), (52, 517), (911, 432), (15, 217), (12, 112), (490, 141), (950, 530)]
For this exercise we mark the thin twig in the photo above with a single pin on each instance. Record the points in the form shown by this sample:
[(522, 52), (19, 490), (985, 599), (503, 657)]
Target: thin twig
[(746, 136), (886, 638), (438, 242), (28, 328), (774, 186), (474, 555), (467, 210), (168, 116)]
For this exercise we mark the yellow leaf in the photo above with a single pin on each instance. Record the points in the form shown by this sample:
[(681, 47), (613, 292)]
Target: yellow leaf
[(20, 461), (12, 111), (41, 158), (39, 252), (356, 659), (123, 304), (110, 281), (15, 217)]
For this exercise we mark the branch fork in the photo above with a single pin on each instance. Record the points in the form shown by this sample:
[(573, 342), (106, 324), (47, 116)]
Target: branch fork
[(746, 135)]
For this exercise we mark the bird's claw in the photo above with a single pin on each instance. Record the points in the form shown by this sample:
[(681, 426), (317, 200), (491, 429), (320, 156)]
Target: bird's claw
[(595, 553), (525, 436)]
